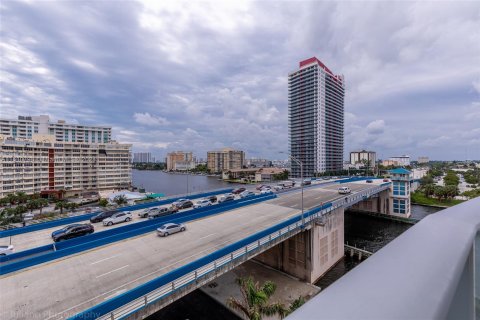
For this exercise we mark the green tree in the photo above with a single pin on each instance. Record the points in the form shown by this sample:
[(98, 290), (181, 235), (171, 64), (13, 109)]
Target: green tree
[(22, 197), (440, 192), (121, 199), (32, 204), (12, 198), (255, 300), (4, 201), (42, 203), (451, 191), (451, 179), (103, 202), (429, 190), (426, 180), (71, 206), (61, 205)]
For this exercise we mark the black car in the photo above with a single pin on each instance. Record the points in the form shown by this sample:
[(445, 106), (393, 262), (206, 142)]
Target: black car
[(184, 204), (212, 199), (369, 181), (72, 231), (238, 190), (102, 216)]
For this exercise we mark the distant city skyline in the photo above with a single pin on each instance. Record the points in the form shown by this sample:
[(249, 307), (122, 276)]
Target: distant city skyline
[(203, 76)]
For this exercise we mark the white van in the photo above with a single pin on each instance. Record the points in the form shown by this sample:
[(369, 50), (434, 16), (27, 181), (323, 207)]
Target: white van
[(344, 190)]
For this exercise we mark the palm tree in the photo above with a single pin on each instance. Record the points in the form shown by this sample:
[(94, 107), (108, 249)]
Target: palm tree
[(32, 205), (22, 197), (42, 203), (61, 205), (254, 303), (120, 200), (12, 198), (103, 202)]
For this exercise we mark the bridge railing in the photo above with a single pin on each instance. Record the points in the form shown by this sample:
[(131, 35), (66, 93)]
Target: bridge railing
[(431, 271), (198, 271)]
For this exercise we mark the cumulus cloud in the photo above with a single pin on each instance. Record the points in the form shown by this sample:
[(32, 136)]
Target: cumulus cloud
[(210, 74), (376, 127), (149, 120)]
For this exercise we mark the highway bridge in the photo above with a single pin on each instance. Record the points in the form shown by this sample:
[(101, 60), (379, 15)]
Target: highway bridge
[(137, 275)]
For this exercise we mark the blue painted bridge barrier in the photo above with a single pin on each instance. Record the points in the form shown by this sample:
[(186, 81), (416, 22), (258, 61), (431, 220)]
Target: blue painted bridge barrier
[(122, 299), (59, 222), (31, 257)]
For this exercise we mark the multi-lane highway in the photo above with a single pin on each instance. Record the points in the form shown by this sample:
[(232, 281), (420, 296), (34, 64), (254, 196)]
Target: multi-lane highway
[(42, 237), (61, 288)]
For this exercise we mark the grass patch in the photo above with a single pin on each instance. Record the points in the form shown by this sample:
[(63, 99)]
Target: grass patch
[(420, 198)]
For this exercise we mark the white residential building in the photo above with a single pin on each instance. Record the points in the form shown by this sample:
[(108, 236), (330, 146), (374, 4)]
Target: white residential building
[(401, 160), (26, 126), (315, 118), (43, 165)]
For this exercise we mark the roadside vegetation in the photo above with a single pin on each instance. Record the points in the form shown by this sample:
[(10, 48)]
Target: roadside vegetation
[(431, 194), (149, 166), (14, 206), (255, 302)]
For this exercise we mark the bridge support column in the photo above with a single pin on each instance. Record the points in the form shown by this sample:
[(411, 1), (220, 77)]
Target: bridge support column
[(378, 204), (311, 253)]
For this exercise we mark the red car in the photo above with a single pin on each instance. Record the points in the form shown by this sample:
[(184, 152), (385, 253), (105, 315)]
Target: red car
[(238, 190)]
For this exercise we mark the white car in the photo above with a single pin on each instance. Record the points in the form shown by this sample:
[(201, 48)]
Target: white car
[(266, 191), (6, 250), (117, 218), (145, 213), (202, 203), (170, 228), (344, 190), (278, 187), (246, 194)]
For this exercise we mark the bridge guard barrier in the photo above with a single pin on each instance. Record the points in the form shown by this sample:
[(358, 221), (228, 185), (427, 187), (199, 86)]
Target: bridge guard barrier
[(80, 244), (140, 291), (59, 222)]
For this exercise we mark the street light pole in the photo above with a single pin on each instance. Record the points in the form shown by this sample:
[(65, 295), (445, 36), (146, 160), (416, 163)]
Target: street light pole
[(187, 180), (301, 183)]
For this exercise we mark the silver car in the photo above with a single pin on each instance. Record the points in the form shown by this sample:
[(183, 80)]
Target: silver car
[(117, 218), (6, 250), (170, 228), (145, 213)]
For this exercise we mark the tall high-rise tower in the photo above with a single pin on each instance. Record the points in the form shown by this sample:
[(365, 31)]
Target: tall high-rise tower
[(315, 118)]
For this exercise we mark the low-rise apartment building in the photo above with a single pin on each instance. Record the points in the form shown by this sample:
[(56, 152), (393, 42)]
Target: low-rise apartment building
[(185, 160), (41, 164), (363, 158), (225, 159)]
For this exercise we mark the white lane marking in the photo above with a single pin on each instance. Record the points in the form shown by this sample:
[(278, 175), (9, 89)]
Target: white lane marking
[(211, 234), (289, 214), (105, 259), (104, 274), (115, 294)]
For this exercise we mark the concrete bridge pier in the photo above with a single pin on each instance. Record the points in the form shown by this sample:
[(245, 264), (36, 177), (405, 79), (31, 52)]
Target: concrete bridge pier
[(379, 203), (311, 253)]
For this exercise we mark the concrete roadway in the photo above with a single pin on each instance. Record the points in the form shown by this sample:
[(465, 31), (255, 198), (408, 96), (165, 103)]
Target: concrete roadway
[(64, 287), (43, 237)]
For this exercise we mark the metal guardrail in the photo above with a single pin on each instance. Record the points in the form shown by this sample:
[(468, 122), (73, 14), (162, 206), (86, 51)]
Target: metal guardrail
[(203, 270), (431, 271)]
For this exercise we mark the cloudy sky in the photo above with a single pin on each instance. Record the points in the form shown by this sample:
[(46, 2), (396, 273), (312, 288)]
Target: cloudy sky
[(172, 75)]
